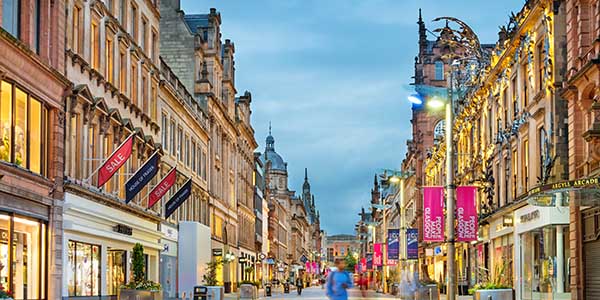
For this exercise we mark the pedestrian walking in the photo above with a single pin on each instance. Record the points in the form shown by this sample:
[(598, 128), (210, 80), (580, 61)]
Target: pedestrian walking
[(363, 284), (338, 282), (299, 285)]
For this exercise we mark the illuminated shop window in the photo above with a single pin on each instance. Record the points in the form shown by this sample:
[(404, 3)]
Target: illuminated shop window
[(22, 131), (83, 271)]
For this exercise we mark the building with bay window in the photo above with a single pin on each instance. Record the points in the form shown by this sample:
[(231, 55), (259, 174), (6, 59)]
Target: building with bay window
[(113, 64), (32, 97)]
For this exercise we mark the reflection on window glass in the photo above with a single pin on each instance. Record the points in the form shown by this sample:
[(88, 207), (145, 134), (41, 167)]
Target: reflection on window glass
[(116, 271), (5, 120), (84, 269), (4, 255), (20, 128), (35, 136)]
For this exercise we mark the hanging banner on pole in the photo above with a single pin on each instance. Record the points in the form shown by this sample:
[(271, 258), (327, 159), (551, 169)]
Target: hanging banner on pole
[(433, 214), (141, 177), (377, 254), (466, 214), (162, 188), (412, 243), (393, 245), (369, 261), (184, 192), (115, 161), (363, 264)]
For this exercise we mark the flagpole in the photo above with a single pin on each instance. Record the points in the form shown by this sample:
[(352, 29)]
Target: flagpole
[(102, 164)]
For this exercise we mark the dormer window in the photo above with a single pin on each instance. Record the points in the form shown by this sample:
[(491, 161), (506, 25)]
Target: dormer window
[(439, 70)]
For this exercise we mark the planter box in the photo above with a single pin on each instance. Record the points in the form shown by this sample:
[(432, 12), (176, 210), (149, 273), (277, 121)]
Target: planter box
[(500, 294), (248, 291), (127, 294), (215, 292), (428, 292)]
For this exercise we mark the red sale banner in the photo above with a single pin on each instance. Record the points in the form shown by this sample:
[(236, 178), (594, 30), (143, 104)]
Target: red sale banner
[(162, 188), (115, 161), (363, 264), (466, 214), (377, 255), (433, 214)]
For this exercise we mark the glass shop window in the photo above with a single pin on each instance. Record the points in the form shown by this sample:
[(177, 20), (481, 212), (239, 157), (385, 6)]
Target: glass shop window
[(83, 270)]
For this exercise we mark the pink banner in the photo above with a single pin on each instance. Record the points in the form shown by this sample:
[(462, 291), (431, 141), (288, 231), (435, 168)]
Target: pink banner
[(377, 255), (315, 267), (363, 264), (466, 214), (433, 214)]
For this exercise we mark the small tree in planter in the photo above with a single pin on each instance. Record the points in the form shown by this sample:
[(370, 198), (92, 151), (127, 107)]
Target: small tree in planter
[(211, 281), (497, 286), (139, 287), (5, 294)]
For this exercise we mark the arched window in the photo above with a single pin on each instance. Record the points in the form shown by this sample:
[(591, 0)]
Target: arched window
[(439, 70), (439, 129)]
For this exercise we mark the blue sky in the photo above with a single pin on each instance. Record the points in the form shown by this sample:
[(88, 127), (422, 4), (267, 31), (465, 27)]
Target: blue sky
[(332, 76)]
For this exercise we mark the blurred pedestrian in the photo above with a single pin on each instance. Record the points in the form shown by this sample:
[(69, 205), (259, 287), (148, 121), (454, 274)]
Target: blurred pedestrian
[(363, 283), (338, 282)]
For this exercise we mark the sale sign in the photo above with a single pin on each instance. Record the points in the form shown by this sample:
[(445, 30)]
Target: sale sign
[(115, 161), (466, 214), (433, 214), (377, 255), (363, 264), (163, 187)]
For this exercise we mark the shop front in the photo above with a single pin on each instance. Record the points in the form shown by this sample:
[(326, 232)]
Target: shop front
[(541, 240), (168, 261), (98, 243), (501, 249)]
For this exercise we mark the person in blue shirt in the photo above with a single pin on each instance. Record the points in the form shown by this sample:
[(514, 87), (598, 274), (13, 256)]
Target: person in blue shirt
[(338, 282)]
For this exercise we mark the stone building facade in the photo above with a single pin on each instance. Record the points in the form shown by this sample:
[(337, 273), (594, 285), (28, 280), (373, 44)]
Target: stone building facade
[(33, 93), (581, 88)]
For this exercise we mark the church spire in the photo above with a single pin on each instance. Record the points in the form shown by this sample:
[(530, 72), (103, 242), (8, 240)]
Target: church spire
[(270, 140), (306, 185), (422, 34)]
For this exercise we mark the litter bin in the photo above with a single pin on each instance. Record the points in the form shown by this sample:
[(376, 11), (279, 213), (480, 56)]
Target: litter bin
[(200, 293), (268, 290), (286, 288)]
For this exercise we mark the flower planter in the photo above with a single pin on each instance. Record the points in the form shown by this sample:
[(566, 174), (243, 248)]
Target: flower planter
[(215, 292), (428, 292), (127, 294), (248, 291), (499, 294)]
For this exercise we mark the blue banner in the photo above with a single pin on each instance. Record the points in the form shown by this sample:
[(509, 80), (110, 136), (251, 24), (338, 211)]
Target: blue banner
[(143, 175), (184, 192), (393, 244), (369, 261), (412, 243)]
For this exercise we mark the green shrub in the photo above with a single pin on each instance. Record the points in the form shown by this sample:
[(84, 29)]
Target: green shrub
[(139, 281)]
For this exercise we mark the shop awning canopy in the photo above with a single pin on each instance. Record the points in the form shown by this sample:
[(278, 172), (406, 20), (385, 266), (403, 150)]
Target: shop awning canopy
[(583, 192)]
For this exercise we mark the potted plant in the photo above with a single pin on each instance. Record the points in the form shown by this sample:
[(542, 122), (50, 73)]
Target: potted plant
[(497, 287), (5, 294), (211, 281), (139, 288)]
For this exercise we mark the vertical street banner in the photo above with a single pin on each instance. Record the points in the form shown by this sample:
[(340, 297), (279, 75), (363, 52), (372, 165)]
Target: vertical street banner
[(377, 254), (412, 243), (115, 161), (315, 267), (369, 261), (363, 264), (393, 244), (162, 187), (433, 214), (141, 177), (184, 192), (466, 214)]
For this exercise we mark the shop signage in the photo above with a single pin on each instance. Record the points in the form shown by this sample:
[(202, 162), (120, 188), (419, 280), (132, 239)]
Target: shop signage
[(534, 215), (466, 214), (262, 256), (433, 214), (217, 252), (438, 251), (115, 161), (558, 186), (428, 252), (393, 244), (141, 177), (377, 254), (169, 232), (303, 258), (123, 229), (184, 192), (162, 188), (412, 243), (270, 261)]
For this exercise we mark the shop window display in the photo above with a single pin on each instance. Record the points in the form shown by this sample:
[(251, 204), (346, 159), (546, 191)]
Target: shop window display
[(117, 262), (84, 269), (540, 268), (22, 256)]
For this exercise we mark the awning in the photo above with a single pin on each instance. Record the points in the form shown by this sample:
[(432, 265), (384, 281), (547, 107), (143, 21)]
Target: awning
[(585, 192)]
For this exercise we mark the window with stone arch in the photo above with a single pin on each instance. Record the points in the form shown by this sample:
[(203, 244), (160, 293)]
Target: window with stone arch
[(439, 129), (439, 70)]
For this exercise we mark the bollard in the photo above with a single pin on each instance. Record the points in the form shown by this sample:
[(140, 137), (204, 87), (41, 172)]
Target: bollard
[(489, 297)]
